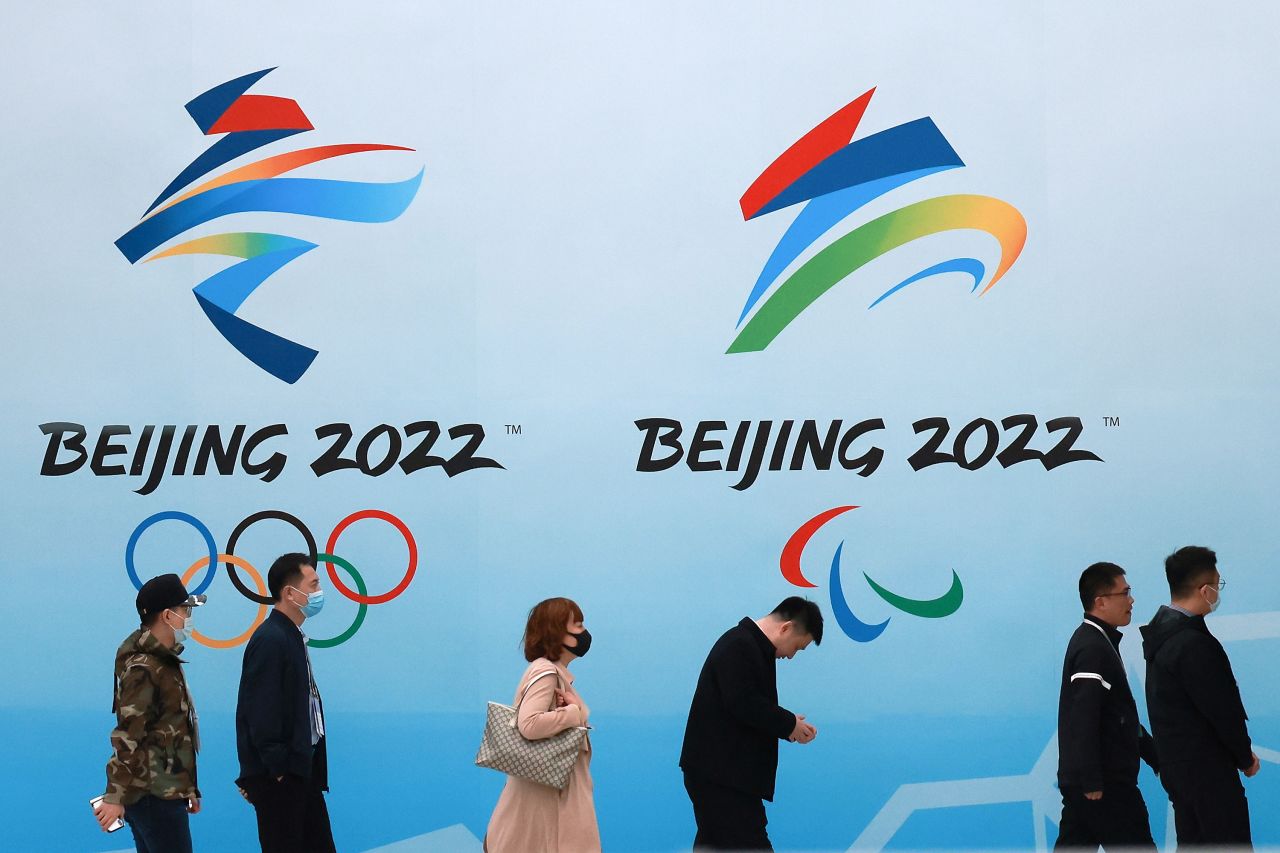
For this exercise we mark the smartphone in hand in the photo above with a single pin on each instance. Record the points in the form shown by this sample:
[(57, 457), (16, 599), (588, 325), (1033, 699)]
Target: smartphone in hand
[(97, 801)]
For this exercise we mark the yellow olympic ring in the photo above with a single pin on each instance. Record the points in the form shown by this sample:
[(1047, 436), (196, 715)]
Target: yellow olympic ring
[(241, 563)]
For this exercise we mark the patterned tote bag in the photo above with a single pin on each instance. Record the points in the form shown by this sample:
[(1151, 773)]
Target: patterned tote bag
[(548, 761)]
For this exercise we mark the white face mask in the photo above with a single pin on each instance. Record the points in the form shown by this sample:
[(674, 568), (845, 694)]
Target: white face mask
[(1213, 605), (181, 635)]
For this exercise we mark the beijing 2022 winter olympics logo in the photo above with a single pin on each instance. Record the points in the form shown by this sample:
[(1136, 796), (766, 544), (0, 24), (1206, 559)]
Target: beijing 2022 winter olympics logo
[(250, 122), (837, 176), (853, 627)]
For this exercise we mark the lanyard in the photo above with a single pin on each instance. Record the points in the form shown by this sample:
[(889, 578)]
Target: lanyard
[(1108, 639), (317, 713)]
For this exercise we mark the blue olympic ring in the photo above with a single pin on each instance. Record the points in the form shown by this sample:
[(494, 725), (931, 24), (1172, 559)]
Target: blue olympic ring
[(173, 515)]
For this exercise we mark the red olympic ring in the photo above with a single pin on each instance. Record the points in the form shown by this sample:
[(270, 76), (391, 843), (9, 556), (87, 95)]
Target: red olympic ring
[(331, 547)]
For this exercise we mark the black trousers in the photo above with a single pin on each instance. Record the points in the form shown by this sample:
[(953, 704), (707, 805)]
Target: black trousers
[(292, 816), (727, 819), (1209, 805), (1117, 821)]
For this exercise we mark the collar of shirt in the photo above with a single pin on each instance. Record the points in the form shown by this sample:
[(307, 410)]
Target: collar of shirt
[(277, 615), (765, 644), (1176, 609), (1112, 633)]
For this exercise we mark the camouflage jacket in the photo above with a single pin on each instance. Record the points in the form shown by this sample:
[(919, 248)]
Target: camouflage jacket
[(156, 736)]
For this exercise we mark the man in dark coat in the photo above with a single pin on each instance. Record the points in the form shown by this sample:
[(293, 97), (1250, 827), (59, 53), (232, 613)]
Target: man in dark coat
[(1197, 716), (730, 754), (1100, 739), (280, 719)]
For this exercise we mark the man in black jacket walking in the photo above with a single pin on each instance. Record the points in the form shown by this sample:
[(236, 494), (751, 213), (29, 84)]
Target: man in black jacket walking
[(730, 754), (1196, 714), (280, 719), (1100, 739)]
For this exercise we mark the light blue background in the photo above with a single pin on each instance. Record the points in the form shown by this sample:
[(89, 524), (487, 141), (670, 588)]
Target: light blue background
[(575, 260)]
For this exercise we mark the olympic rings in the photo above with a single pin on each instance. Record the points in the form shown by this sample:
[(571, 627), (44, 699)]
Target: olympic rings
[(331, 545), (178, 516), (249, 522), (262, 596), (228, 559)]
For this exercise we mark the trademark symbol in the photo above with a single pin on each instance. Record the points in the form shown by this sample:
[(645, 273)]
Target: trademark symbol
[(513, 429), (1110, 421)]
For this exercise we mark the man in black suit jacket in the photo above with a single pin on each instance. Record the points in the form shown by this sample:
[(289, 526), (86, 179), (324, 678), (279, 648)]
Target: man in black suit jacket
[(1100, 739), (280, 719), (730, 754), (1196, 714)]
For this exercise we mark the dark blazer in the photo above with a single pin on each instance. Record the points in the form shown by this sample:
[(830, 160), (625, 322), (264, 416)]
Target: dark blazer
[(731, 738), (1192, 695), (273, 711), (1099, 736)]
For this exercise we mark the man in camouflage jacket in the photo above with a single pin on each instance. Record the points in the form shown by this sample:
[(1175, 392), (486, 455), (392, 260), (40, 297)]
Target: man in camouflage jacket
[(151, 776)]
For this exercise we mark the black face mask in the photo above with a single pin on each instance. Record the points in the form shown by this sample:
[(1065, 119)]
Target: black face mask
[(584, 643)]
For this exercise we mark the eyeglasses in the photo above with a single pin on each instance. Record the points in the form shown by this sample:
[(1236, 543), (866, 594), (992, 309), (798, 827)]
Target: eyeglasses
[(1220, 585), (1128, 590)]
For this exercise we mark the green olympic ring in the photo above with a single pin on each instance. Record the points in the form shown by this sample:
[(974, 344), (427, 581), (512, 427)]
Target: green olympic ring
[(360, 614)]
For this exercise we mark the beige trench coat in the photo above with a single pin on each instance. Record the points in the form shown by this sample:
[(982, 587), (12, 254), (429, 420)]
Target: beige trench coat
[(534, 818)]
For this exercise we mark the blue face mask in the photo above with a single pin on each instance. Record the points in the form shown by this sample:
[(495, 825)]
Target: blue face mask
[(315, 602)]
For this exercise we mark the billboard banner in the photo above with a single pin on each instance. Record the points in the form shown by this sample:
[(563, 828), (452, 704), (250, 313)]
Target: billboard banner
[(676, 310)]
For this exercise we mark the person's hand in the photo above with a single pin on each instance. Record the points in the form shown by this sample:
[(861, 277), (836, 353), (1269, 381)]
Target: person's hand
[(243, 793), (1254, 767), (562, 698), (107, 814), (1093, 795), (193, 805), (803, 732)]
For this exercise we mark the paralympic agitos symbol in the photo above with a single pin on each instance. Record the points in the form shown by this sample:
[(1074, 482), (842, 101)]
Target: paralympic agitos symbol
[(855, 628), (250, 122), (837, 176), (213, 558)]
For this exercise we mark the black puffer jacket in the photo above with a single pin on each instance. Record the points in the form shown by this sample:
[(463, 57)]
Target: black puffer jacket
[(1192, 695)]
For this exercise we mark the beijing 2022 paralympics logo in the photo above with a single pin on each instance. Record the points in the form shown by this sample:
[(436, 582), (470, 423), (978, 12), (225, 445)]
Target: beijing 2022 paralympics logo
[(250, 122), (209, 563), (837, 176), (857, 630)]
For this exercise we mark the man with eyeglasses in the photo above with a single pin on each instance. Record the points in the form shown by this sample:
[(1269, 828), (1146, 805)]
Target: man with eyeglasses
[(1196, 713), (1100, 739)]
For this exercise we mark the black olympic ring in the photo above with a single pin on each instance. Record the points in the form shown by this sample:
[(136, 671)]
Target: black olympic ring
[(266, 514)]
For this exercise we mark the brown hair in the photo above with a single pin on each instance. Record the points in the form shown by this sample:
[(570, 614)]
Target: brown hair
[(545, 630)]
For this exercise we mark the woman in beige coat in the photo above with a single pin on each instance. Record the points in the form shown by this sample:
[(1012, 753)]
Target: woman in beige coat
[(535, 818)]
